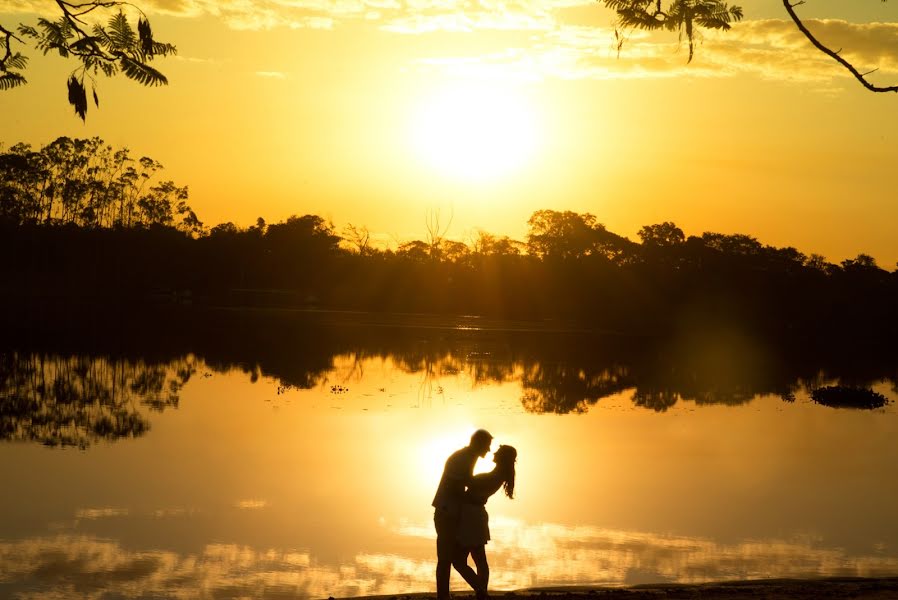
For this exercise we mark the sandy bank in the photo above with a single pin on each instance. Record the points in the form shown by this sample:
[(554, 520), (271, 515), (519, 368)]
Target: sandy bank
[(773, 589)]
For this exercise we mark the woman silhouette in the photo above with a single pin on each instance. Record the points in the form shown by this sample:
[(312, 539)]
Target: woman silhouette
[(473, 526)]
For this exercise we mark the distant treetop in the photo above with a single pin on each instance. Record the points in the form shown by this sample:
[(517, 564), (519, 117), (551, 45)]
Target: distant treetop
[(87, 183)]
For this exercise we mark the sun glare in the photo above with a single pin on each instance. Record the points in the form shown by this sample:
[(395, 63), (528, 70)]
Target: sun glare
[(476, 132), (432, 454)]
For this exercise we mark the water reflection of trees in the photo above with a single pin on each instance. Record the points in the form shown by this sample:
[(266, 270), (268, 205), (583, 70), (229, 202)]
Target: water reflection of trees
[(52, 394), (77, 400), (565, 388), (570, 373), (720, 368)]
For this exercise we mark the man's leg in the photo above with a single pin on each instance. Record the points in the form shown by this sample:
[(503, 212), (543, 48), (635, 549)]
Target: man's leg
[(445, 526)]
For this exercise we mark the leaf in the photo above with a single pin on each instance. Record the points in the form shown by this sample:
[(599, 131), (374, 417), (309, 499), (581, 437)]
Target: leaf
[(28, 31), (96, 99), (146, 37), (141, 72), (102, 36), (162, 49), (54, 36), (85, 44), (78, 97), (120, 32), (687, 17), (11, 80), (16, 61)]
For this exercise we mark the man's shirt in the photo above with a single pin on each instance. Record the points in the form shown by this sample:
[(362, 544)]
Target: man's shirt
[(456, 474)]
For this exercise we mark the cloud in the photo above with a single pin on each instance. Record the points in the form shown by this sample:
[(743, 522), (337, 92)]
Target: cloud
[(271, 74), (27, 6), (771, 49), (868, 42), (100, 513), (563, 41), (166, 513), (469, 21), (193, 59), (92, 568), (532, 554), (522, 554), (575, 52), (400, 16), (251, 504), (776, 49)]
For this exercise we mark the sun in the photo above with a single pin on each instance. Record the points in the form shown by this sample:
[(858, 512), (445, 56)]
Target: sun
[(475, 132)]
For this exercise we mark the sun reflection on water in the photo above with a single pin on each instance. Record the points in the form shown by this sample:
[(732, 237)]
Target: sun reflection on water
[(249, 488), (522, 555)]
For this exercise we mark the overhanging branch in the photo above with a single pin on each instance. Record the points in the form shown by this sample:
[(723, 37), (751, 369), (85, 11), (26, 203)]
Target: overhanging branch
[(790, 8), (8, 36)]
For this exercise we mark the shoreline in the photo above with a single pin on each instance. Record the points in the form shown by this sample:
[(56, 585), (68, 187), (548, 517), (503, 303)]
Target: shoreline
[(875, 588)]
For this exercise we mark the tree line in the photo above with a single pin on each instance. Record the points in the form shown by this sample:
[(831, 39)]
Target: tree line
[(87, 183), (82, 220)]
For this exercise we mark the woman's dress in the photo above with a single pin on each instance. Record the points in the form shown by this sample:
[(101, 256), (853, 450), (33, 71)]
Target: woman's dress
[(474, 521), (473, 526)]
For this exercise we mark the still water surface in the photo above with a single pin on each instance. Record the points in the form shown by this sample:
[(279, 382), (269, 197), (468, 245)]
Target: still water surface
[(202, 478)]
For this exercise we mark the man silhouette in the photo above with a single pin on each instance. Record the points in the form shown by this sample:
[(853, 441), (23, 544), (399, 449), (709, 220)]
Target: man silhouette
[(447, 503)]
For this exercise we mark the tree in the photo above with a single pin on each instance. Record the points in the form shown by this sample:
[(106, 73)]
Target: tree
[(662, 235), (85, 182), (454, 251), (736, 243), (569, 235), (818, 263), (416, 250), (224, 230), (436, 233), (688, 17), (110, 49), (487, 244), (358, 238), (80, 400), (560, 234), (862, 263)]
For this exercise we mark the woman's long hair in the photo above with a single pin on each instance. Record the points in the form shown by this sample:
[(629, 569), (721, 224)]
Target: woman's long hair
[(505, 457)]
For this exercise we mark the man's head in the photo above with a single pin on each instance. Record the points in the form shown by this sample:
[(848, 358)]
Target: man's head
[(480, 442)]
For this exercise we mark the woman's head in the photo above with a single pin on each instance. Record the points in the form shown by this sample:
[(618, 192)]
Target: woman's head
[(505, 457)]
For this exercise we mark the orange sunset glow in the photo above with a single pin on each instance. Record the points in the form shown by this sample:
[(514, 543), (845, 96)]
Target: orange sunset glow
[(372, 115), (448, 299)]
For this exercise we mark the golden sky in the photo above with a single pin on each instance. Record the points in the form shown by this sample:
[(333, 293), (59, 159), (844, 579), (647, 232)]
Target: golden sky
[(375, 112)]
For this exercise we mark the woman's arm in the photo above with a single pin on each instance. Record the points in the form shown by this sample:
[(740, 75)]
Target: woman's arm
[(485, 484)]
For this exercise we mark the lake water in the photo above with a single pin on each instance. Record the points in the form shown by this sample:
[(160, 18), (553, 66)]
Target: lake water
[(305, 467)]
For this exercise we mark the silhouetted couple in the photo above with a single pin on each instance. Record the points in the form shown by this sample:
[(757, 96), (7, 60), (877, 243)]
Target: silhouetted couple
[(460, 516)]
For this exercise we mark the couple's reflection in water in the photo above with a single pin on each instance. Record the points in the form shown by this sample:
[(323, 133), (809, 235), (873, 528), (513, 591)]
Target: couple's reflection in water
[(460, 516)]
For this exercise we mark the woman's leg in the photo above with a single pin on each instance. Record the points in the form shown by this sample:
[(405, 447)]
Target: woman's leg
[(483, 569), (460, 562)]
